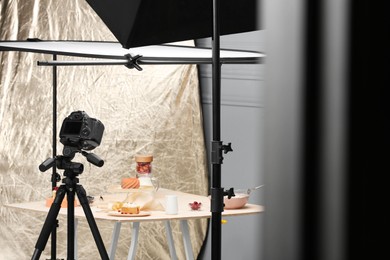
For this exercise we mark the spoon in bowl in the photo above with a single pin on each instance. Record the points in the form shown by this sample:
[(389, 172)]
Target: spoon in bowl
[(255, 188)]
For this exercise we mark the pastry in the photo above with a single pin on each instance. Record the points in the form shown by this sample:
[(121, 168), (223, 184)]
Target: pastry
[(130, 183), (130, 208), (117, 205)]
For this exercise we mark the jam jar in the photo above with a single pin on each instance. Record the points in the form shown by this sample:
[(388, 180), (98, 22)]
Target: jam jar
[(144, 171)]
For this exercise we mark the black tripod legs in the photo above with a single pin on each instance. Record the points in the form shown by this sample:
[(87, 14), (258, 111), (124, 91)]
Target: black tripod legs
[(50, 221), (82, 195)]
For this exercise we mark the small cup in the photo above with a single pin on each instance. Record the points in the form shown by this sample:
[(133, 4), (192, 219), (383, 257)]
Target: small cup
[(171, 206)]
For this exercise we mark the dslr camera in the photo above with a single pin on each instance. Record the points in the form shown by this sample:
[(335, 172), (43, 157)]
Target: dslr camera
[(81, 131)]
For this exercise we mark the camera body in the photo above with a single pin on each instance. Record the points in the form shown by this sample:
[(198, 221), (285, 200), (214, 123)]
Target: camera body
[(81, 131)]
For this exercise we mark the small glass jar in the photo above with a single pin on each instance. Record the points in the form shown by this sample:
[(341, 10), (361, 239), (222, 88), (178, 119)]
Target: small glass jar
[(144, 172), (144, 164)]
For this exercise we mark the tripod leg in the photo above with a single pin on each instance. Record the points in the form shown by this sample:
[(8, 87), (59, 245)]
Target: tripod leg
[(82, 195), (50, 221), (54, 241), (71, 233)]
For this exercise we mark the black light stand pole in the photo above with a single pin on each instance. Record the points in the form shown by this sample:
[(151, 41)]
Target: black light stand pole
[(54, 180), (54, 175), (216, 190)]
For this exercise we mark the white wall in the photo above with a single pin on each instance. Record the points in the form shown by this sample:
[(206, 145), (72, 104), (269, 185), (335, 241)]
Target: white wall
[(242, 108)]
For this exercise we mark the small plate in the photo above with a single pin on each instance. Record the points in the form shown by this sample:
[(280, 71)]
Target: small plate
[(118, 214)]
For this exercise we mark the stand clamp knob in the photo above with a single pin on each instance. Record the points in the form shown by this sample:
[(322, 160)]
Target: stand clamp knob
[(227, 148), (229, 193), (133, 62), (216, 151)]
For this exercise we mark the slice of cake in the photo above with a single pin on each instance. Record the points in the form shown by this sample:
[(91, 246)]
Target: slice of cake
[(130, 208)]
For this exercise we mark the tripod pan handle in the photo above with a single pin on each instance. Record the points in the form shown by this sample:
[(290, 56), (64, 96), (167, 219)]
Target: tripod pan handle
[(47, 164)]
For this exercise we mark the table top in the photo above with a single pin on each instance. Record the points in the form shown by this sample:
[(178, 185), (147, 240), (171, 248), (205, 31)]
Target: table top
[(184, 210)]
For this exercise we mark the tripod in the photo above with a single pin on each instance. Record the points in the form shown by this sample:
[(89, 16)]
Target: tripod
[(70, 187)]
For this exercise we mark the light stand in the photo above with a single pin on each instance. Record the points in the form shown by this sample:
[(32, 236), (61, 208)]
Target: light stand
[(55, 177), (217, 192)]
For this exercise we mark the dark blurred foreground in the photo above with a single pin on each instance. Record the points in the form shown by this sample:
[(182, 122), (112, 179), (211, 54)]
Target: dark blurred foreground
[(327, 132)]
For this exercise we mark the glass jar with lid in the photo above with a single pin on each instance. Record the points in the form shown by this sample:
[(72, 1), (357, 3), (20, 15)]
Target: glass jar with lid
[(144, 171)]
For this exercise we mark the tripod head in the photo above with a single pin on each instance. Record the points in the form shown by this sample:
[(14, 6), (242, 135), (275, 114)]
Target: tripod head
[(64, 161)]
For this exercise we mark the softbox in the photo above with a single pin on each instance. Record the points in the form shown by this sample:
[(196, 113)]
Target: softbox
[(148, 22)]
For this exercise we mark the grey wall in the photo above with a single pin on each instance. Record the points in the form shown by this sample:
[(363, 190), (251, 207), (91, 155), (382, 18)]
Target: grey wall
[(242, 109)]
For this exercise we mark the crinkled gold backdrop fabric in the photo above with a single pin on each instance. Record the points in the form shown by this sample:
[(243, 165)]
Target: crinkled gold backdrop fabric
[(153, 111)]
